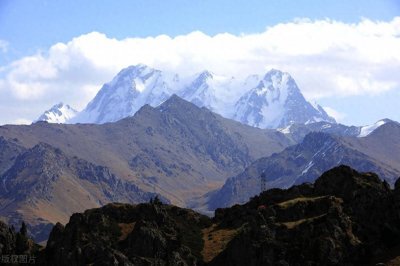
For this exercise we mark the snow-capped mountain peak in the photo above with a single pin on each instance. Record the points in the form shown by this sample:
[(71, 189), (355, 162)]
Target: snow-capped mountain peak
[(133, 76), (129, 90), (366, 130), (276, 102), (59, 113), (269, 101), (276, 76), (205, 75), (200, 91)]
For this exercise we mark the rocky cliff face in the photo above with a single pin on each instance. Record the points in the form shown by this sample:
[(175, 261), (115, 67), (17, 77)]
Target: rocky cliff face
[(345, 218)]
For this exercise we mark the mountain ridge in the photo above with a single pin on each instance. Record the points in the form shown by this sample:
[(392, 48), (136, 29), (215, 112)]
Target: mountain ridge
[(138, 85), (305, 161)]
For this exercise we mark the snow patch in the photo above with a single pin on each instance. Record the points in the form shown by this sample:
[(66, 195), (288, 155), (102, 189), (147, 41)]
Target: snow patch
[(326, 126), (285, 130), (366, 130), (310, 164)]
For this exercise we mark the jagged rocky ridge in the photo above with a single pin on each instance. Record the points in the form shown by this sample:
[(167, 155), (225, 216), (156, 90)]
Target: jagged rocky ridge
[(344, 218)]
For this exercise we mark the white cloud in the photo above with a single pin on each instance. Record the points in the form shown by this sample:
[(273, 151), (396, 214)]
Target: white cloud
[(339, 116), (21, 121), (326, 58)]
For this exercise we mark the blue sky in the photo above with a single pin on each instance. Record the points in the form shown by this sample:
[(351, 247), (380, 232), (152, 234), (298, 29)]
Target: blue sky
[(31, 28)]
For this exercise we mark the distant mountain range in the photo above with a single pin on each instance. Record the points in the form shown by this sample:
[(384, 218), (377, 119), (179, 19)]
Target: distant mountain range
[(271, 101), (315, 154), (298, 131), (177, 150)]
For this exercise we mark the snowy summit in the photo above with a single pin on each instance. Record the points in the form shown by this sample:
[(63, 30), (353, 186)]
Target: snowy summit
[(277, 102), (269, 102), (59, 113)]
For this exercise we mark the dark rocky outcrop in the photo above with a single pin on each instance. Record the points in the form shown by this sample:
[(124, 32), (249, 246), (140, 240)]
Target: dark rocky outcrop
[(14, 243), (123, 234), (344, 218)]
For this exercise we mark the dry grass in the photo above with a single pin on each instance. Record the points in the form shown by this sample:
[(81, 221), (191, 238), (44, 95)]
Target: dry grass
[(215, 241), (290, 203), (293, 224), (126, 229)]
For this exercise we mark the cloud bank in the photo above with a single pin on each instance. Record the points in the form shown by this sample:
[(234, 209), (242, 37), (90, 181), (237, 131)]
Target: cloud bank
[(327, 58)]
